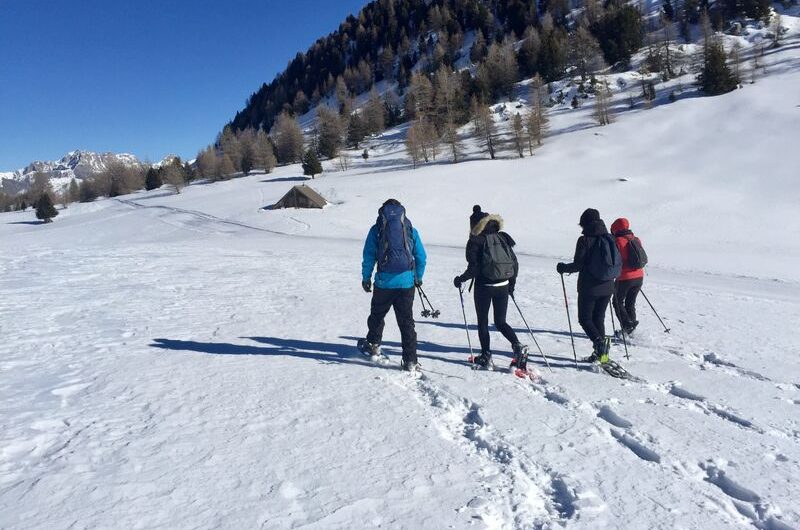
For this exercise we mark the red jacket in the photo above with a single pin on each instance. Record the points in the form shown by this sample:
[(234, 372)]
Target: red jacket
[(622, 233)]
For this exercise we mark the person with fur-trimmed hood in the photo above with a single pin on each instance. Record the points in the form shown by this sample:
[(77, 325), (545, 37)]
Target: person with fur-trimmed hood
[(493, 266)]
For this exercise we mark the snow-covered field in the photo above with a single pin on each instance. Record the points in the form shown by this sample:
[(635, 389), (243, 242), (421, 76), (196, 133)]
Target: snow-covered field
[(188, 361)]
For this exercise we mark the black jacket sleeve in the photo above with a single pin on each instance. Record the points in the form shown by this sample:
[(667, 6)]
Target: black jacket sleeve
[(580, 257)]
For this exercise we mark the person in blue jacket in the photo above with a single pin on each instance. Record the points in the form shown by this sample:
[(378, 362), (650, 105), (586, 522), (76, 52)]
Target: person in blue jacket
[(395, 247)]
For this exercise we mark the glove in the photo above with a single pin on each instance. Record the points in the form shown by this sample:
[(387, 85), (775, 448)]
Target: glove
[(457, 282), (561, 268), (366, 285), (417, 283), (511, 287)]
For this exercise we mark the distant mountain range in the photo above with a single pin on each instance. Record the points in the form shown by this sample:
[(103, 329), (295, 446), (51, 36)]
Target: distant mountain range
[(75, 164)]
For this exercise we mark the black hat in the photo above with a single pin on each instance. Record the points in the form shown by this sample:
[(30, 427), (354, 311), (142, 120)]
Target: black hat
[(589, 216), (476, 216)]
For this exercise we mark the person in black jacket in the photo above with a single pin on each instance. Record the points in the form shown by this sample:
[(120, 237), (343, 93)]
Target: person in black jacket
[(593, 294), (490, 293)]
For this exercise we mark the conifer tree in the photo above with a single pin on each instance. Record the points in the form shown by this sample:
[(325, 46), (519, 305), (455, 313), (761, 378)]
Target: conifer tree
[(330, 135), (208, 163), (226, 169), (230, 145), (479, 49), (374, 114), (419, 97), (246, 140), (414, 144), (484, 126), (45, 209), (288, 139), (263, 155), (448, 102), (518, 133), (175, 175), (311, 164), (619, 33), (528, 54), (88, 190), (74, 191), (584, 52), (500, 69), (152, 180), (537, 120), (355, 130), (602, 104), (716, 78)]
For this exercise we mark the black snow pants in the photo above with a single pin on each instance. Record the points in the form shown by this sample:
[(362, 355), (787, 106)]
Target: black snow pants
[(403, 302), (625, 295), (497, 298), (592, 314)]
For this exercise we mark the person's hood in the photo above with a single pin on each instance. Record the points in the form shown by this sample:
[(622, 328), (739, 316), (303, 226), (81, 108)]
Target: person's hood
[(595, 228), (489, 224), (589, 216), (620, 225)]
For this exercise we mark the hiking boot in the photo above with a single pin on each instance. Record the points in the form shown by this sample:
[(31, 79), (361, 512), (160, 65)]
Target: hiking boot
[(410, 366), (369, 349), (520, 356), (484, 361), (597, 351), (606, 347)]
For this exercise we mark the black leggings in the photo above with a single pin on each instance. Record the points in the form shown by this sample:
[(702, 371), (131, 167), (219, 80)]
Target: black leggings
[(625, 294), (592, 314), (496, 297)]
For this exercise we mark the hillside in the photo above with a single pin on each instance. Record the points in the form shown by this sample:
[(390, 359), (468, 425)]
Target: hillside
[(497, 43), (185, 361)]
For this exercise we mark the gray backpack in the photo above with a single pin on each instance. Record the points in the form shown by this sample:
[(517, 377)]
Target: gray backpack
[(497, 259)]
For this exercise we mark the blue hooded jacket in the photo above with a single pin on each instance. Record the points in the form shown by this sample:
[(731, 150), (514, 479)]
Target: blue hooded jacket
[(388, 280)]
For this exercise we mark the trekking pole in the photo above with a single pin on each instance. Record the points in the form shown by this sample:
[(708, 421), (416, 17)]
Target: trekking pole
[(433, 312), (666, 329), (621, 331), (425, 311), (532, 336), (569, 320), (466, 326)]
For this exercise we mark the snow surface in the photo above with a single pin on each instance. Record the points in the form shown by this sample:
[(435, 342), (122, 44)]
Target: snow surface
[(188, 361)]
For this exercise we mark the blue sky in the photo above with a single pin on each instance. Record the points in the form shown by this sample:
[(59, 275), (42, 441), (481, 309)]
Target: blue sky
[(141, 76)]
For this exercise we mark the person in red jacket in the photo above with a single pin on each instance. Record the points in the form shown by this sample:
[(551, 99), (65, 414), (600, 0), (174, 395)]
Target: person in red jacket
[(630, 280)]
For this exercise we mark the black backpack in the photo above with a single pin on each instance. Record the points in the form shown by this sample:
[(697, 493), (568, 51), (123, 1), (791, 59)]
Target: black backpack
[(497, 259), (637, 257), (604, 261)]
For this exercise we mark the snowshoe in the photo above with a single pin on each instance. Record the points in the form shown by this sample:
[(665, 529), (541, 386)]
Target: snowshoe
[(614, 369)]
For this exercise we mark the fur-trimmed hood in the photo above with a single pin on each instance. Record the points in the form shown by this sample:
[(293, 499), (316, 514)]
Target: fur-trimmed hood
[(483, 224)]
